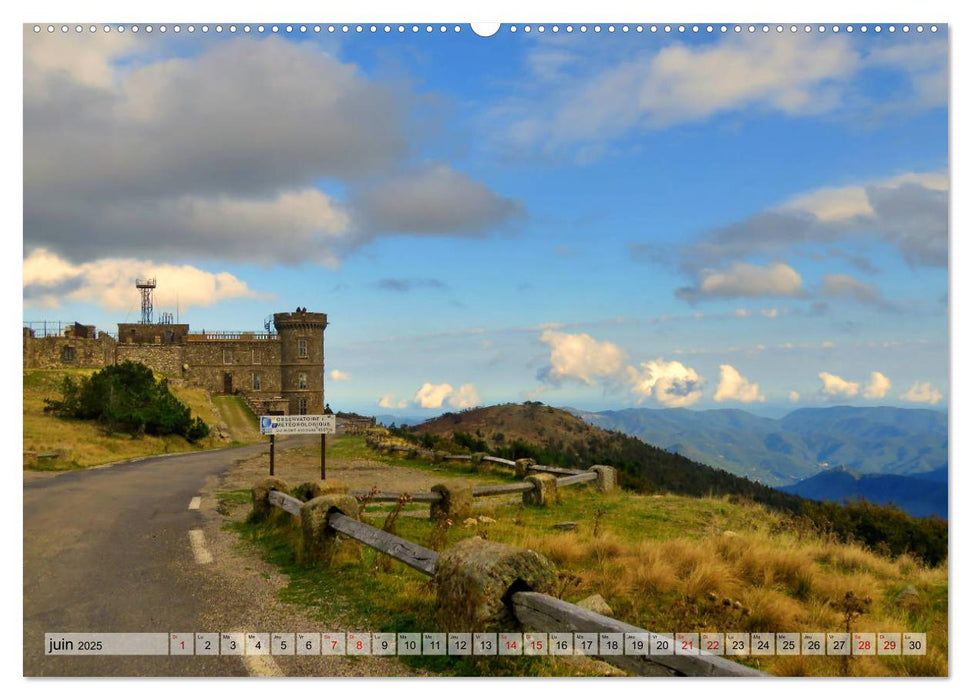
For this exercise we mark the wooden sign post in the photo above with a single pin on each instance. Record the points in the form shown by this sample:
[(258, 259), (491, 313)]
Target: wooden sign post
[(299, 425), (272, 444)]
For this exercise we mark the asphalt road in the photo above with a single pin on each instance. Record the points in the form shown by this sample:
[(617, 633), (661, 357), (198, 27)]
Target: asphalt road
[(107, 550)]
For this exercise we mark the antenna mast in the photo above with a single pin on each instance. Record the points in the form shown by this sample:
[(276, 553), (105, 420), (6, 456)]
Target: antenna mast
[(146, 287)]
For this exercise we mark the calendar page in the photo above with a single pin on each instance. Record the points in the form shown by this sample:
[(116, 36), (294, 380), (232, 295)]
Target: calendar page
[(523, 349)]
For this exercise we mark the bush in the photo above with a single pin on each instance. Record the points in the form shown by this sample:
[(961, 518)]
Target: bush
[(127, 398)]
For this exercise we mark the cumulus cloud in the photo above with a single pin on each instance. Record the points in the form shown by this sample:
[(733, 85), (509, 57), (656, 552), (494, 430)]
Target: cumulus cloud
[(465, 397), (732, 386), (338, 376), (834, 385), (49, 280), (672, 384), (220, 152), (922, 392), (877, 387), (388, 401), (580, 357), (432, 395), (794, 396), (743, 279)]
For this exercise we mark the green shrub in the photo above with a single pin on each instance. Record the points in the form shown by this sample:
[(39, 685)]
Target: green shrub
[(127, 398)]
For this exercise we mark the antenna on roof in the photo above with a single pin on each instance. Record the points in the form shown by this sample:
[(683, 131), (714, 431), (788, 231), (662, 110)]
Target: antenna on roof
[(146, 287)]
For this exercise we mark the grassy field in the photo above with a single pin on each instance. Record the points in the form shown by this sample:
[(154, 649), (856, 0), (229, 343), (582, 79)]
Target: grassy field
[(83, 443), (243, 426), (666, 563)]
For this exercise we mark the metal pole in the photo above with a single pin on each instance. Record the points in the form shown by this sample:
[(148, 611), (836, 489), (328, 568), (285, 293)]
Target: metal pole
[(323, 456), (272, 442)]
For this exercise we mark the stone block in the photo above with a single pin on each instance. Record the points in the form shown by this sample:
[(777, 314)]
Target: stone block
[(476, 577), (455, 503), (261, 493), (320, 540), (606, 478), (522, 467), (544, 490), (310, 490)]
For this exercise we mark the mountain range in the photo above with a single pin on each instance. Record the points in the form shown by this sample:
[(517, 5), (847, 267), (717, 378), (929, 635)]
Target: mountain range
[(801, 444), (922, 495)]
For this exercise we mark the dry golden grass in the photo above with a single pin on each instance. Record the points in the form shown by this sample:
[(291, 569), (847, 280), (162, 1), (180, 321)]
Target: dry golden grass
[(759, 577)]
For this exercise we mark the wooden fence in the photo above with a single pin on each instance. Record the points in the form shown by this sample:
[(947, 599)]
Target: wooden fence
[(531, 610), (535, 491)]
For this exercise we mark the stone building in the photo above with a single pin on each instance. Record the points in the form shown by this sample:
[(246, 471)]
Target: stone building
[(275, 372)]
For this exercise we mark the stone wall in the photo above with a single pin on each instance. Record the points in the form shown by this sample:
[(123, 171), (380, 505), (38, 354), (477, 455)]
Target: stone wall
[(152, 333), (60, 352), (165, 359), (210, 361)]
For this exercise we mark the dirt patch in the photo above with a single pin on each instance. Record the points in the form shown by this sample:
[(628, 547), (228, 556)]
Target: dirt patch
[(247, 588), (296, 466)]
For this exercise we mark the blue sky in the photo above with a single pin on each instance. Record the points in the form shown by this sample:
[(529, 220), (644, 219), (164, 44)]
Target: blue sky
[(713, 220)]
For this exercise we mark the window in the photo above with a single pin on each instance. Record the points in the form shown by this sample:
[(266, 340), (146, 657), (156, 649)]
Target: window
[(302, 380), (302, 347), (257, 359), (227, 357), (67, 354), (302, 405), (257, 385)]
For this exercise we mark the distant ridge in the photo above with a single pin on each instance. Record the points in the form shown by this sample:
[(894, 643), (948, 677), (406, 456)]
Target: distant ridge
[(920, 497), (872, 440)]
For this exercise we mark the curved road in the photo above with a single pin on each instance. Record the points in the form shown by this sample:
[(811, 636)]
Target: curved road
[(107, 550)]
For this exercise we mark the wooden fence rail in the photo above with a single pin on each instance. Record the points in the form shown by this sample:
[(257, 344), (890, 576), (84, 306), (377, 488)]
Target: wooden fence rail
[(414, 555), (533, 611), (540, 612), (576, 478)]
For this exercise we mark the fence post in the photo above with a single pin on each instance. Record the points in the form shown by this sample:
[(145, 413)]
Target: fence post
[(606, 477), (543, 492), (455, 503), (319, 538), (261, 495), (476, 579), (522, 467)]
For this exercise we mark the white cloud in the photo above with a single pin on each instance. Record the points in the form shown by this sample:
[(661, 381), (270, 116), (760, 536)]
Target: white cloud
[(671, 383), (339, 376), (432, 395), (465, 397), (388, 401), (796, 75), (742, 279), (907, 211), (581, 97), (220, 151), (922, 392), (877, 387), (794, 396), (580, 357), (837, 386), (50, 280), (732, 386)]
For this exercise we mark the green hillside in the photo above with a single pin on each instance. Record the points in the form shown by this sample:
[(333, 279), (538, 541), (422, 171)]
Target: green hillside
[(668, 563)]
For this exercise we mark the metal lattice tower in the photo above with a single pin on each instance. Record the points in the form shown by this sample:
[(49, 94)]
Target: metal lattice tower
[(146, 287)]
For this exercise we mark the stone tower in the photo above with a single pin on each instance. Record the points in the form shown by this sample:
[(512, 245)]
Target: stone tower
[(301, 336)]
